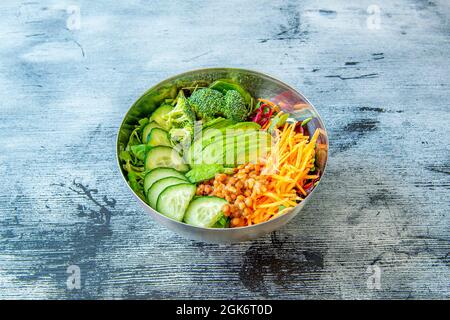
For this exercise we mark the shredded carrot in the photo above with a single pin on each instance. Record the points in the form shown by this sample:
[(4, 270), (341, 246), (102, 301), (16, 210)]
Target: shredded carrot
[(267, 125), (288, 167)]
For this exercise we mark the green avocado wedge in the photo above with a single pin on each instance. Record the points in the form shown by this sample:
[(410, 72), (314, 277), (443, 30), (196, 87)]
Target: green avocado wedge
[(204, 172), (232, 150), (212, 135), (217, 123)]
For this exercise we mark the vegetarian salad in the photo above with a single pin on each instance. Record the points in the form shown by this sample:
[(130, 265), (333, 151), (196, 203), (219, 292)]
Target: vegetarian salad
[(215, 157)]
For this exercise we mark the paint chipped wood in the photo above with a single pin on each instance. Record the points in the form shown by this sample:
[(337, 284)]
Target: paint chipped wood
[(383, 94)]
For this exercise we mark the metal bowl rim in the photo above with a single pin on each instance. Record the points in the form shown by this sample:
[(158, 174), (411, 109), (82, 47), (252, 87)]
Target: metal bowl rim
[(217, 69)]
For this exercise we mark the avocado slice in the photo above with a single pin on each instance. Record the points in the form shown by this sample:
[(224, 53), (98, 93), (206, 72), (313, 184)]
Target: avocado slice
[(217, 123), (248, 149), (232, 148), (249, 125), (252, 154), (214, 147), (212, 134)]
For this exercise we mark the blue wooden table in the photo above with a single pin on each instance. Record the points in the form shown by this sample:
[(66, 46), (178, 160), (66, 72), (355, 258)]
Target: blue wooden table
[(377, 71)]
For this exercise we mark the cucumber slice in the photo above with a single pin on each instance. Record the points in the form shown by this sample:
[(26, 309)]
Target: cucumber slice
[(161, 173), (158, 137), (167, 157), (158, 115), (147, 129), (174, 200), (158, 187), (204, 211)]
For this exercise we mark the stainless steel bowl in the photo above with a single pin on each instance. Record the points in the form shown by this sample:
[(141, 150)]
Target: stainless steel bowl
[(260, 86)]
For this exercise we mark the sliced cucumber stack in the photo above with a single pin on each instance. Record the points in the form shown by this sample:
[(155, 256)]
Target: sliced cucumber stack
[(146, 131), (162, 156), (161, 173), (158, 115), (174, 200), (158, 187), (158, 137), (204, 211)]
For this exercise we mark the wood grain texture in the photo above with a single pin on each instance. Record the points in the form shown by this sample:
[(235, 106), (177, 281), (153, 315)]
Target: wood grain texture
[(383, 93)]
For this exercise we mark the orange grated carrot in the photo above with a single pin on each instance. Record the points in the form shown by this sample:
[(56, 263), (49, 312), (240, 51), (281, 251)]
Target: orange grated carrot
[(290, 160)]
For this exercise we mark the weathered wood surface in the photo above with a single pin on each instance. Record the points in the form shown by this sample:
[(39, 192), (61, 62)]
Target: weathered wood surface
[(383, 92)]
